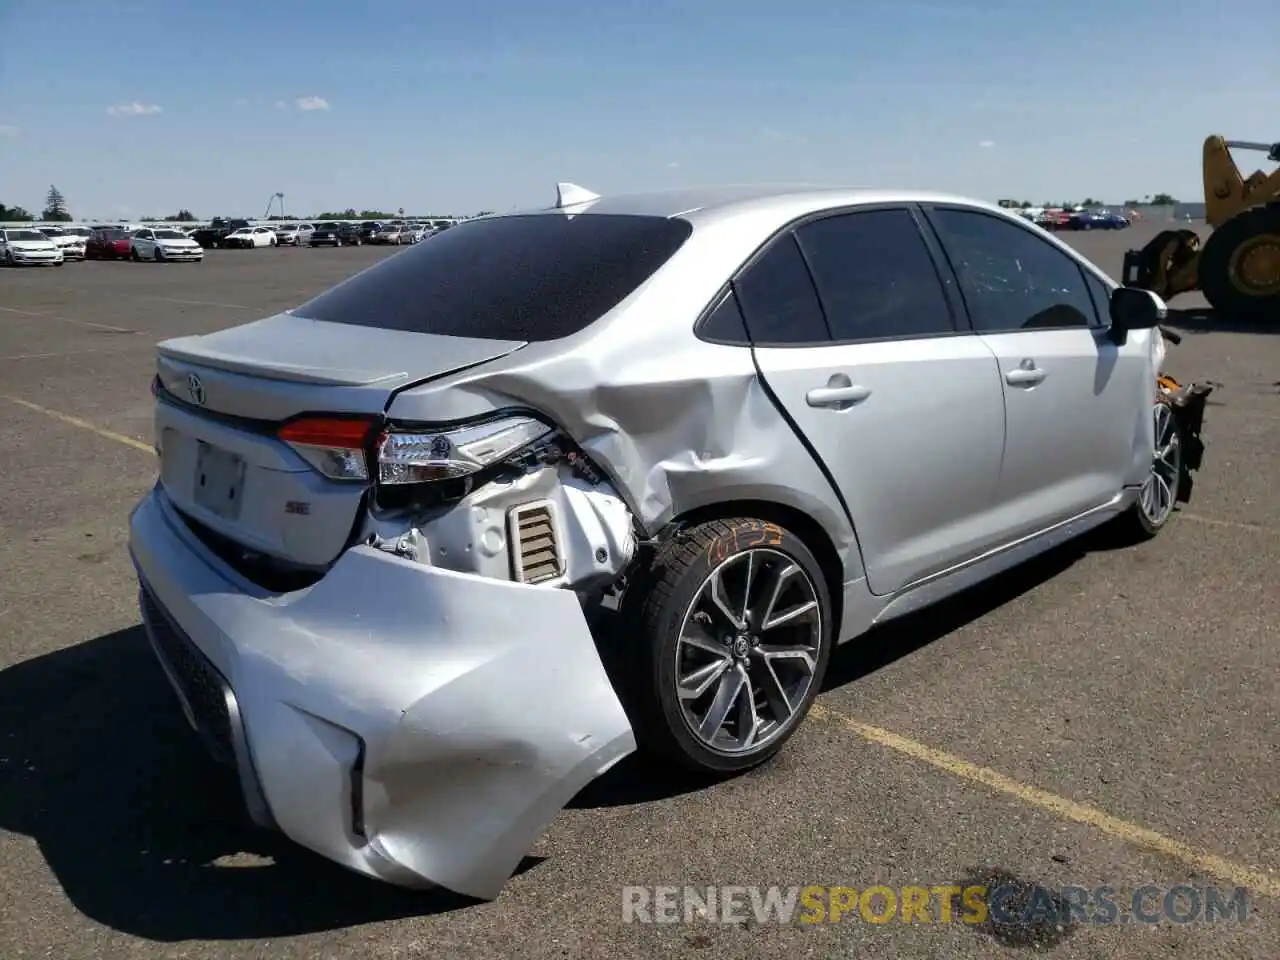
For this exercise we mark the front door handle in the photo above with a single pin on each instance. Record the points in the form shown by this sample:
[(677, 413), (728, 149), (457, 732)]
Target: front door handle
[(1025, 376), (840, 397)]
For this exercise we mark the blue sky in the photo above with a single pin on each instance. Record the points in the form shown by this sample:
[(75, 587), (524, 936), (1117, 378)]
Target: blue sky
[(136, 108)]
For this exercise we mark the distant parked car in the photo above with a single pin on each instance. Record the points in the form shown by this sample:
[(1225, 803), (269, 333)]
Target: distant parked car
[(369, 228), (293, 234), (392, 234), (1110, 220), (250, 237), (108, 243), (20, 248), (218, 229), (351, 234), (162, 245), (69, 242), (415, 232), (326, 235)]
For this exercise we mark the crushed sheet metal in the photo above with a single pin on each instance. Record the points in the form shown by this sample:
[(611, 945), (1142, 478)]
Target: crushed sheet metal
[(481, 705)]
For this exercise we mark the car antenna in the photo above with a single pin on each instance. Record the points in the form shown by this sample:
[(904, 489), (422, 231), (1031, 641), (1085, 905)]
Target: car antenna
[(570, 195)]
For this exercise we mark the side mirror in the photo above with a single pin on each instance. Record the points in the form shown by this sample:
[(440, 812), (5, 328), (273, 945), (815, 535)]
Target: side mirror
[(1133, 308)]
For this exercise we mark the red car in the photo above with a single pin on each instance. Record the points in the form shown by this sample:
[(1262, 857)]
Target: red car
[(109, 243)]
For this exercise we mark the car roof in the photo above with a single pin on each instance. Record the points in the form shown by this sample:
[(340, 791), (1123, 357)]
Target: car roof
[(787, 200)]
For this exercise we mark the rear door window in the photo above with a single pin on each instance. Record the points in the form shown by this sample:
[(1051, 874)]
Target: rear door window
[(875, 276), (528, 277)]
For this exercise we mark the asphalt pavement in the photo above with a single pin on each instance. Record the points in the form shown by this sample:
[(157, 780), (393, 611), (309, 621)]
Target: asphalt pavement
[(1104, 717)]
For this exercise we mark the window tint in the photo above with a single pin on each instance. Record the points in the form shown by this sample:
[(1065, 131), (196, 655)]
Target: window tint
[(531, 277), (1101, 295), (725, 324), (777, 297), (1011, 279), (875, 276)]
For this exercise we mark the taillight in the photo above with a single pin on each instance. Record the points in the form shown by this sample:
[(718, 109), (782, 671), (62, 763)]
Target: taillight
[(410, 456), (333, 445)]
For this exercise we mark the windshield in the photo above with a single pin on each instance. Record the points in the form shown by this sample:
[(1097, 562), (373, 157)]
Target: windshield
[(26, 235), (170, 235), (530, 277), (52, 231), (79, 231)]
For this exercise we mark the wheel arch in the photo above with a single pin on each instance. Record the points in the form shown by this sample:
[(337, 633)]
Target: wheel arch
[(813, 534)]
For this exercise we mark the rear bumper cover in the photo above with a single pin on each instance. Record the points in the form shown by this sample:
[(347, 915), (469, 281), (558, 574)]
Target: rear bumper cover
[(413, 724)]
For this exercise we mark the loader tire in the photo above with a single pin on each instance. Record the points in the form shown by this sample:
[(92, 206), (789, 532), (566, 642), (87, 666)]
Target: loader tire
[(1240, 265)]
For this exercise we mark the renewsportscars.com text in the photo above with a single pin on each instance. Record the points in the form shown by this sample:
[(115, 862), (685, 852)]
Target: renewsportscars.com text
[(940, 904)]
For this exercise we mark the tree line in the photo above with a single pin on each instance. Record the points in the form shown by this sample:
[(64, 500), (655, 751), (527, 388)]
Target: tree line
[(55, 210)]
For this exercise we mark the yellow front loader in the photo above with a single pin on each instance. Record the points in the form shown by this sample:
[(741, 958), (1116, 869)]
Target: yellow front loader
[(1238, 267)]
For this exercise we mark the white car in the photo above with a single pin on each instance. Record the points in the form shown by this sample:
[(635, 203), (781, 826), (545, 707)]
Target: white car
[(23, 247), (251, 237), (160, 244), (68, 240), (294, 234)]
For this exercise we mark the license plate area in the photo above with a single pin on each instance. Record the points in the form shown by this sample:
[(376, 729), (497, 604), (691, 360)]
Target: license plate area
[(218, 484)]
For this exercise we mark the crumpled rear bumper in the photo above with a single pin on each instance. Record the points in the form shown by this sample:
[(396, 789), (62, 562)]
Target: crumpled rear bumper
[(416, 725)]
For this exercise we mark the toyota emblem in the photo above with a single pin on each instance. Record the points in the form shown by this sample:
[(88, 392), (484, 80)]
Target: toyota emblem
[(195, 389)]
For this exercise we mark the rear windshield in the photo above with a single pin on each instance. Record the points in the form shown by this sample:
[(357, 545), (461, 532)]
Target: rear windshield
[(531, 277)]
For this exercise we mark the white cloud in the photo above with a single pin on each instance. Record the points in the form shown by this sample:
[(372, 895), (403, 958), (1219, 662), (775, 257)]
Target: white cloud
[(9, 130), (134, 109), (281, 105), (242, 102), (312, 103), (673, 165), (986, 144)]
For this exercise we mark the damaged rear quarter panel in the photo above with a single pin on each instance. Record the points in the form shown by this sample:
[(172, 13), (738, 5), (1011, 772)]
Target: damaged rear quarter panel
[(675, 422)]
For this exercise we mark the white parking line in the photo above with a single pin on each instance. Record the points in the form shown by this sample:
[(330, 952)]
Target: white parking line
[(201, 303), (59, 353), (78, 323)]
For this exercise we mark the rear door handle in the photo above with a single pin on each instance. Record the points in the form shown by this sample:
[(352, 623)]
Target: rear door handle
[(840, 397), (1025, 376)]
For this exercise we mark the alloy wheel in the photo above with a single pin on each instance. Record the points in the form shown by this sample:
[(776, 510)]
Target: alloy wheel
[(1159, 493), (748, 649)]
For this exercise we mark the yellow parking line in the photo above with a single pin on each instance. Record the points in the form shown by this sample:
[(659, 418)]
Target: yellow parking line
[(1200, 860), (82, 424)]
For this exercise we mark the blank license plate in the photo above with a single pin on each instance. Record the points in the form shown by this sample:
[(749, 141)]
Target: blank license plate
[(219, 481)]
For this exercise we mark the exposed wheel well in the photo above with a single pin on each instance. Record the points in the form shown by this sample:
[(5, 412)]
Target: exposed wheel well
[(798, 522)]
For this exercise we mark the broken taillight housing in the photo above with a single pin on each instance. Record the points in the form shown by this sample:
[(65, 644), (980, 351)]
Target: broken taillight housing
[(335, 446), (410, 455)]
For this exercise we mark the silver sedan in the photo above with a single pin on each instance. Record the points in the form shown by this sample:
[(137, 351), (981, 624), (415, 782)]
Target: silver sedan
[(757, 421)]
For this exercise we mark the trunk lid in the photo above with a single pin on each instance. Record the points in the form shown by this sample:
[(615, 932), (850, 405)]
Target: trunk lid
[(225, 394)]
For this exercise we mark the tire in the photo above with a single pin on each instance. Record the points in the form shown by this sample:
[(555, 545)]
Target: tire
[(159, 256), (134, 255), (1224, 286), (674, 591), (1140, 522)]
